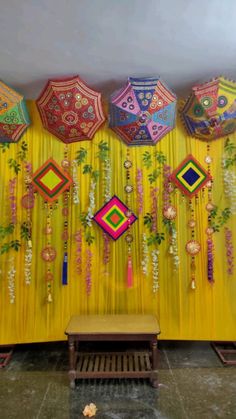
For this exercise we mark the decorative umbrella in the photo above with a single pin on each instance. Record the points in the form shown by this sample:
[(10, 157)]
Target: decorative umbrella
[(14, 118), (143, 111), (70, 109), (210, 110)]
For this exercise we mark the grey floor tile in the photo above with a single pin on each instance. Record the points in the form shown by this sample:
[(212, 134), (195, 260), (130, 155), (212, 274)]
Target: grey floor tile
[(207, 393), (182, 354)]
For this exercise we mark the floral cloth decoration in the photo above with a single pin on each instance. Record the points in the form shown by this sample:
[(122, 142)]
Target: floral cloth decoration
[(70, 109)]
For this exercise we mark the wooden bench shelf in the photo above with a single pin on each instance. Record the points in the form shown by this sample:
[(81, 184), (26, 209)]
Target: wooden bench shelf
[(113, 328), (114, 364)]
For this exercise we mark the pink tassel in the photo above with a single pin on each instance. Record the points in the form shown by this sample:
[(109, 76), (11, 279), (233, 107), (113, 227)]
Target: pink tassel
[(129, 273)]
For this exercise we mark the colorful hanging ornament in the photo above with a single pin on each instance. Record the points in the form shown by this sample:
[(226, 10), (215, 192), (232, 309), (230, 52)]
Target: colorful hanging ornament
[(50, 180), (210, 112), (70, 110), (190, 176), (14, 117), (113, 218), (143, 111)]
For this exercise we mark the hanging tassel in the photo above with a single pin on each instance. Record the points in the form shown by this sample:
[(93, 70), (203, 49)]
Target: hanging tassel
[(129, 273), (64, 269), (193, 284)]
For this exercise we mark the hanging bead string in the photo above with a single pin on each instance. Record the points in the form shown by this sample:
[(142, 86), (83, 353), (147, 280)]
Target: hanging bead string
[(107, 197), (170, 212), (65, 212), (209, 207), (155, 270), (49, 253), (129, 237), (28, 204), (192, 224)]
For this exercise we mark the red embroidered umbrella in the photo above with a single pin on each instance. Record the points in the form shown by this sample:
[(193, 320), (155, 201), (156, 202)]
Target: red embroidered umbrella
[(70, 109)]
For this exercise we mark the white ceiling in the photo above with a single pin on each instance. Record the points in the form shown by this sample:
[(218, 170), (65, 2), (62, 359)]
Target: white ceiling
[(105, 41)]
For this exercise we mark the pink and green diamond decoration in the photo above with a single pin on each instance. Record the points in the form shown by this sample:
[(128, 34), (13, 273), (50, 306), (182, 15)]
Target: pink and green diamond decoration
[(50, 180), (190, 176), (112, 218)]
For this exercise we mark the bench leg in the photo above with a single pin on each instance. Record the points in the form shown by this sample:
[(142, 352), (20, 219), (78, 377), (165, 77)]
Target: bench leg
[(72, 372), (154, 378)]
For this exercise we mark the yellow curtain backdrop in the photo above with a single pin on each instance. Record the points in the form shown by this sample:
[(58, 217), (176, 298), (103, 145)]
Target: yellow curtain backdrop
[(209, 312)]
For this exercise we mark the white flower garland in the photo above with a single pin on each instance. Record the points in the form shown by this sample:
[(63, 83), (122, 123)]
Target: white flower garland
[(75, 182), (145, 255), (173, 249), (11, 280), (155, 270), (91, 207), (107, 186), (28, 263), (230, 188)]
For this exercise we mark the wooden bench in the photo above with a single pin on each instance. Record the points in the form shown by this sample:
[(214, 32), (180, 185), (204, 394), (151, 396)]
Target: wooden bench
[(125, 364)]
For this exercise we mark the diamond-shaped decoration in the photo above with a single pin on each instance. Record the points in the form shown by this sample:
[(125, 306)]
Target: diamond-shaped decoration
[(112, 218), (190, 176), (50, 180)]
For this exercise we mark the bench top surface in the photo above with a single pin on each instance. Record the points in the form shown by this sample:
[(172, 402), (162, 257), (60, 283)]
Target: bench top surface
[(113, 324)]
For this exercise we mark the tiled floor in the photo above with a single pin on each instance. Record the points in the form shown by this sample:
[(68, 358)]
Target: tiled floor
[(192, 384)]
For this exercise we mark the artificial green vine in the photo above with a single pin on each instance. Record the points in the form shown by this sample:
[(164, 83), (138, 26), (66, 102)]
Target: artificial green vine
[(13, 244), (218, 220), (154, 238), (4, 147), (81, 156), (103, 152), (230, 154)]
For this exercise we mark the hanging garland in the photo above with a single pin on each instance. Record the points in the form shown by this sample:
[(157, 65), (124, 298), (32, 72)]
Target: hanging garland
[(139, 181), (229, 174), (145, 255), (11, 273), (229, 251)]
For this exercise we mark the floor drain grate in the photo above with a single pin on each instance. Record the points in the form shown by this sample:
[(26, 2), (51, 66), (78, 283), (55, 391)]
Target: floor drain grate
[(5, 355), (226, 352)]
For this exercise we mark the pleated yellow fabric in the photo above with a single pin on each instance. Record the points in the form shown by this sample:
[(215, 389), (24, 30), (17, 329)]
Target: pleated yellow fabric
[(207, 313)]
